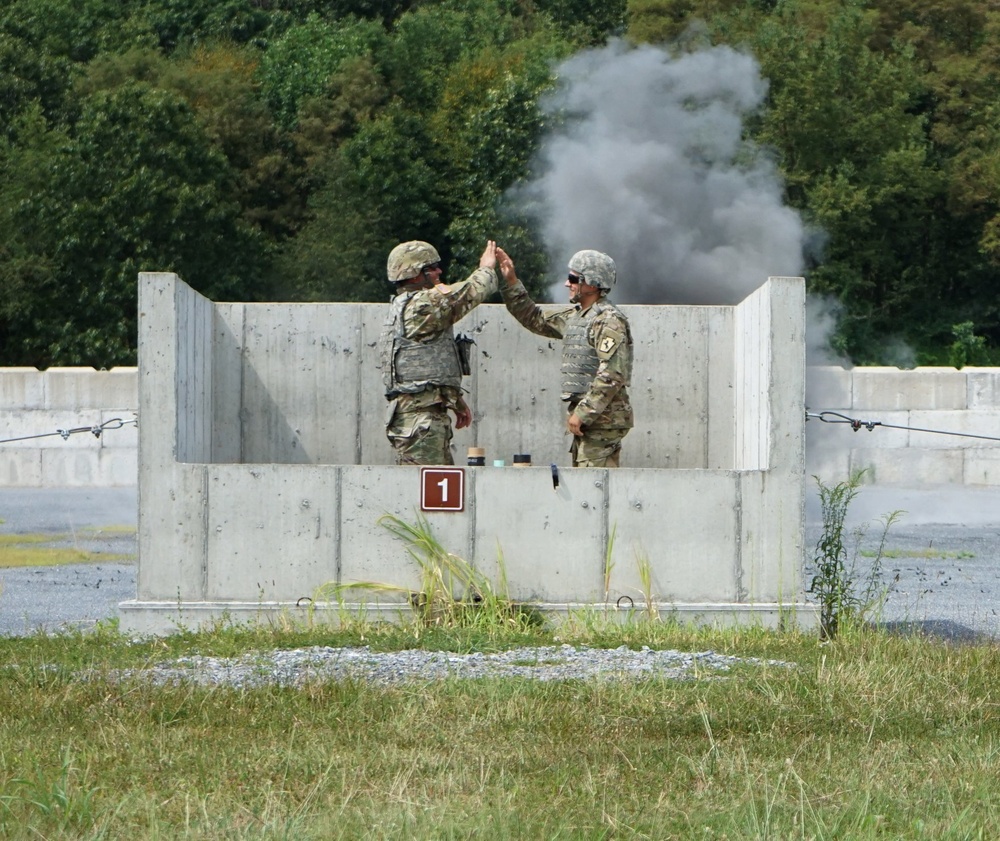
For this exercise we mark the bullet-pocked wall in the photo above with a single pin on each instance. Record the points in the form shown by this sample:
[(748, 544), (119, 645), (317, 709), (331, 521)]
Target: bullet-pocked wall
[(264, 469)]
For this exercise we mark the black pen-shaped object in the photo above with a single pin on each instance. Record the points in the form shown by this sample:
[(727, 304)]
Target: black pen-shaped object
[(555, 477)]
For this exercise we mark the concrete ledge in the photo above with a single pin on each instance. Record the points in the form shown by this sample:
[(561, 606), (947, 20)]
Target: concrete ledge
[(165, 617)]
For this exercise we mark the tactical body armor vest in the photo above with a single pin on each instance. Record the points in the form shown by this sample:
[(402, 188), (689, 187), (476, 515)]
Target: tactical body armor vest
[(579, 359), (409, 367)]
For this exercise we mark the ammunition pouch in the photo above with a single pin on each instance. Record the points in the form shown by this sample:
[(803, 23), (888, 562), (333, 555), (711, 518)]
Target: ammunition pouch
[(462, 343)]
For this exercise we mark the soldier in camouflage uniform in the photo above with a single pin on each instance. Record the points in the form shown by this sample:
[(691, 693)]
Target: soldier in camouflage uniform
[(597, 354), (421, 366)]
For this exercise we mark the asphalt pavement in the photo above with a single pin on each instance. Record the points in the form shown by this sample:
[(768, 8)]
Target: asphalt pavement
[(939, 568), (100, 521)]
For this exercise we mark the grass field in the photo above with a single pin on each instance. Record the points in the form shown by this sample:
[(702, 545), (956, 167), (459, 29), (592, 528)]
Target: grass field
[(869, 736)]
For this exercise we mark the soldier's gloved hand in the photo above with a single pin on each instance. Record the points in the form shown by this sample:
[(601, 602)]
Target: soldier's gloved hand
[(463, 414)]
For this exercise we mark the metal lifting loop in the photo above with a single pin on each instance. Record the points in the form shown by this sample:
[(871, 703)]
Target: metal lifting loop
[(855, 424), (114, 423)]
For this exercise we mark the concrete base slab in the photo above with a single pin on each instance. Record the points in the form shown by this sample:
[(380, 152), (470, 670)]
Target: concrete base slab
[(144, 618)]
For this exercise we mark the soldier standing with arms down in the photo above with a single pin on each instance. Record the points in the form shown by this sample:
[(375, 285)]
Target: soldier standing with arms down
[(421, 364), (597, 354)]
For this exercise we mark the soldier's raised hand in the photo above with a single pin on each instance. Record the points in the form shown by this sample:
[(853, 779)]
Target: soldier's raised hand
[(489, 258)]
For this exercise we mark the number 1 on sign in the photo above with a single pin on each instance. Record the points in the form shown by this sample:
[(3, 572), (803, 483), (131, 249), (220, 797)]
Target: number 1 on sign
[(442, 489)]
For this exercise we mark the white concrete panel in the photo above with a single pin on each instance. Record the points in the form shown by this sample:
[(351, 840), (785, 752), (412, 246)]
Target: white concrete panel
[(983, 388), (272, 531), (922, 388), (71, 468), (194, 375), (21, 468), (86, 388), (981, 466), (301, 383), (22, 389), (721, 366), (227, 384), (685, 524), (670, 390), (368, 551), (961, 428), (553, 542), (173, 508), (119, 468), (752, 326), (830, 462), (786, 362), (772, 506), (909, 466), (827, 387), (516, 400)]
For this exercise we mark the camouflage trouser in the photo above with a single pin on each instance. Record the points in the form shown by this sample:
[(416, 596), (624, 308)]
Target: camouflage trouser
[(597, 448), (422, 437)]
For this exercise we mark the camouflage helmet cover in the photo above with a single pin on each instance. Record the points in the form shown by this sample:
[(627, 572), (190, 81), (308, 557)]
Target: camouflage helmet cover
[(597, 268), (407, 259)]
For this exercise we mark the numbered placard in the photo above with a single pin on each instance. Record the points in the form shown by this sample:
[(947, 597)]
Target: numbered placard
[(442, 489)]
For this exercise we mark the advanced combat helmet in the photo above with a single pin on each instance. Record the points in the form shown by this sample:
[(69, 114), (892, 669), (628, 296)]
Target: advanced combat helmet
[(408, 259), (597, 268)]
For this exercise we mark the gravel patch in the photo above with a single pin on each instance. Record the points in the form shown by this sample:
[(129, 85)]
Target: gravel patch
[(302, 666)]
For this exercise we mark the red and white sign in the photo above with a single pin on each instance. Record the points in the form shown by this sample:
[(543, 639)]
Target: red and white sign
[(442, 489)]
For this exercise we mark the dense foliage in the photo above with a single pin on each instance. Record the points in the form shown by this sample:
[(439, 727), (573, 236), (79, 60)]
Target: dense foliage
[(277, 149)]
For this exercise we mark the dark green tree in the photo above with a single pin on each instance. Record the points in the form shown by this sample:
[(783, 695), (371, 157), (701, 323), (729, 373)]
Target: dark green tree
[(135, 187)]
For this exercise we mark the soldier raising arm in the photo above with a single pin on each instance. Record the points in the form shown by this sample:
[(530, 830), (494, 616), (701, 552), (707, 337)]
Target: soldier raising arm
[(421, 370), (597, 354)]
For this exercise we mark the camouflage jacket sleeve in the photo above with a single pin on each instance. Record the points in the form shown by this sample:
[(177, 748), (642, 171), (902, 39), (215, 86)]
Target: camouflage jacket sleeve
[(608, 335), (551, 324), (433, 310)]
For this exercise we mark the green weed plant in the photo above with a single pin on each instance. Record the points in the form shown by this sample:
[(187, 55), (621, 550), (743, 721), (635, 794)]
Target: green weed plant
[(843, 593)]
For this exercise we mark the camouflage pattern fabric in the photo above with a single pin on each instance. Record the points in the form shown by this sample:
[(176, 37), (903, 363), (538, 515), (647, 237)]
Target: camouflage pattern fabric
[(597, 448), (414, 418), (606, 405), (421, 437)]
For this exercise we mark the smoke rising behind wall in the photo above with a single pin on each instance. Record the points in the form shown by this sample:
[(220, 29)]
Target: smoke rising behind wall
[(648, 164)]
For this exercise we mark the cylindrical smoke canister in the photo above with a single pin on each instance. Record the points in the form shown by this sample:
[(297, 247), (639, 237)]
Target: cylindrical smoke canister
[(477, 457), (522, 460)]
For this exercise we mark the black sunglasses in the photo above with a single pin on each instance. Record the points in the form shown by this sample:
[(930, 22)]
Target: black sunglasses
[(576, 278), (431, 267)]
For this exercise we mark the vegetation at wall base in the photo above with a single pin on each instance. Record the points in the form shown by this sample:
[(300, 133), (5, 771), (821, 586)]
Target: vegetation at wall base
[(868, 736), (842, 592), (276, 151)]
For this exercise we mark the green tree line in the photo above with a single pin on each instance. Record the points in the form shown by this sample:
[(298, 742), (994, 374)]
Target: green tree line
[(277, 149)]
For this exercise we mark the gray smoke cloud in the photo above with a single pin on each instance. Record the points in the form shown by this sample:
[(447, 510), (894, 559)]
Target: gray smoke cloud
[(648, 164)]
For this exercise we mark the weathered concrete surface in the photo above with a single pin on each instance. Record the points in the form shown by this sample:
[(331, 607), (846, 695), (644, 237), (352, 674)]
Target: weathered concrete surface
[(264, 470)]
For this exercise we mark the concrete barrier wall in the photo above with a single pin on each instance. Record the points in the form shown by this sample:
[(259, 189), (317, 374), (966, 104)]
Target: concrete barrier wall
[(35, 405), (686, 418), (924, 425), (264, 470)]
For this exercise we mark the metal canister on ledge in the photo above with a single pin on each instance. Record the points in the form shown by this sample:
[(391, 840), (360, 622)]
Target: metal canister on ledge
[(477, 457), (522, 459)]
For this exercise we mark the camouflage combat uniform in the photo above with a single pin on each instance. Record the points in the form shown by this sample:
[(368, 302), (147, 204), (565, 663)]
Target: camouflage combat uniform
[(417, 423), (596, 370)]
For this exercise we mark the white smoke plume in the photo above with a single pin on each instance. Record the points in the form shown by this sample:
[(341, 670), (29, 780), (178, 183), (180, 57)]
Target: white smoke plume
[(648, 164)]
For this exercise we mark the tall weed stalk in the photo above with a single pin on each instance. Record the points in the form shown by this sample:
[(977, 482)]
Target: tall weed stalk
[(836, 584)]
